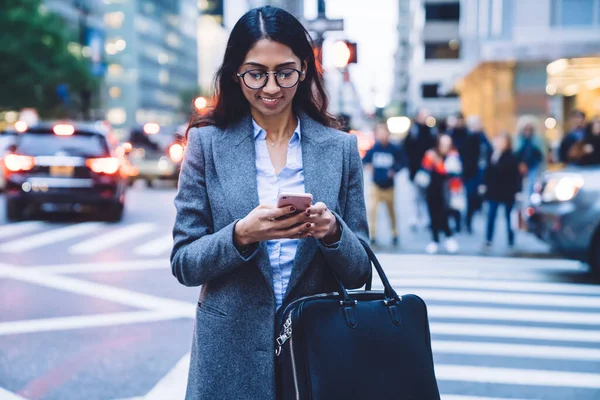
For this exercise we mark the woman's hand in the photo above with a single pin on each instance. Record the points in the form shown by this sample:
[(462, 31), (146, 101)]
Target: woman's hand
[(268, 223), (324, 224)]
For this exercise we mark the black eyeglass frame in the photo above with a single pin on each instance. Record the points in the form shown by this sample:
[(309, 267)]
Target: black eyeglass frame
[(300, 73)]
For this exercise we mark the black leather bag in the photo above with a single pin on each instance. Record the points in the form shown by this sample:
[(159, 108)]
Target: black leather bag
[(355, 345)]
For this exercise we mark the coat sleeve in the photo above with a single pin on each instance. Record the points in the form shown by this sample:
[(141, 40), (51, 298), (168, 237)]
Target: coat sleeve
[(347, 257), (199, 254)]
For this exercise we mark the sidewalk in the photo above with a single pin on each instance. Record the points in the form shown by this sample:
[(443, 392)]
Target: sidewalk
[(526, 244)]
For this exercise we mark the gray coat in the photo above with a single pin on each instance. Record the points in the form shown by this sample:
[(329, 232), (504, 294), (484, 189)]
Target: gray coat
[(234, 338)]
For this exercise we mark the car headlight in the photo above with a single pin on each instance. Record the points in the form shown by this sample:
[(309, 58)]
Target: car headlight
[(562, 188), (163, 164)]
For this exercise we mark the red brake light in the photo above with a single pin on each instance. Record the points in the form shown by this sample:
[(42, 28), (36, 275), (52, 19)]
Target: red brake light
[(16, 163), (64, 130), (176, 152), (105, 165)]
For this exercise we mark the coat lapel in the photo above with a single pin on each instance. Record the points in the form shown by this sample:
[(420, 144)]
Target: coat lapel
[(322, 160), (234, 155)]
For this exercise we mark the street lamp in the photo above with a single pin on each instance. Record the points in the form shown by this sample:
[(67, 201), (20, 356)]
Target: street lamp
[(200, 103)]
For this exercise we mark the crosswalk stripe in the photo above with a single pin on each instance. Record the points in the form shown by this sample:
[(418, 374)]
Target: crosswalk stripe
[(84, 321), (514, 376), (514, 314), (6, 395), (19, 228), (509, 286), (50, 237), (474, 262), (112, 238), (516, 332), (155, 247), (515, 350), (464, 273), (80, 268), (504, 298), (461, 397)]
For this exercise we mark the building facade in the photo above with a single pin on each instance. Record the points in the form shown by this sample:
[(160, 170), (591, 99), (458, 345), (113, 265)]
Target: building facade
[(538, 57), (436, 56), (151, 48)]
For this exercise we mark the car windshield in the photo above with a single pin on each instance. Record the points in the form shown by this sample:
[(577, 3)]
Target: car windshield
[(48, 144)]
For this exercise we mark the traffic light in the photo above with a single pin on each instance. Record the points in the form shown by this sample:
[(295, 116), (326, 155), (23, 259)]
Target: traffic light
[(344, 53)]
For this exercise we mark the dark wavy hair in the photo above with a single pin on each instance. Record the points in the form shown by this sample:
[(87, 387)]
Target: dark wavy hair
[(229, 103)]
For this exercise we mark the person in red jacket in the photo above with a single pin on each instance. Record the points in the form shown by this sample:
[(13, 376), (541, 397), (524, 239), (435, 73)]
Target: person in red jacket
[(440, 177)]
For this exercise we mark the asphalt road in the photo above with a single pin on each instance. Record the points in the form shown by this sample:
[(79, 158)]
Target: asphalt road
[(90, 310)]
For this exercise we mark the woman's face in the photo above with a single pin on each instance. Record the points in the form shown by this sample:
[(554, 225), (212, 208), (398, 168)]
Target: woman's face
[(596, 128), (528, 130), (267, 55), (500, 143), (445, 145)]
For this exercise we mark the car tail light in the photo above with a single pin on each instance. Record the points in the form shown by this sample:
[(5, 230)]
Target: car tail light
[(64, 130), (16, 163), (176, 152), (105, 165)]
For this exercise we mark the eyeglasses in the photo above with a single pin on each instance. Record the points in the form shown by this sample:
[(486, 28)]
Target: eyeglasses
[(257, 79)]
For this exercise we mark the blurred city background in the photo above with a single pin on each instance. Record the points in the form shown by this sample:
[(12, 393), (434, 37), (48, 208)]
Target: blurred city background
[(477, 120)]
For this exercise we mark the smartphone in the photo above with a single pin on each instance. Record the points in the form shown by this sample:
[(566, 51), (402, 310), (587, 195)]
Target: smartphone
[(301, 201)]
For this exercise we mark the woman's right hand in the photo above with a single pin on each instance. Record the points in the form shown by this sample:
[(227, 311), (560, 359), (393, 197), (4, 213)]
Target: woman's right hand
[(268, 223)]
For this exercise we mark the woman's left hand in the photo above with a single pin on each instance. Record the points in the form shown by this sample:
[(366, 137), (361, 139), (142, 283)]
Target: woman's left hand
[(324, 224)]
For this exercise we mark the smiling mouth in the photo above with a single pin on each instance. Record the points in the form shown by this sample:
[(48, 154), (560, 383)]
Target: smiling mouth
[(270, 100)]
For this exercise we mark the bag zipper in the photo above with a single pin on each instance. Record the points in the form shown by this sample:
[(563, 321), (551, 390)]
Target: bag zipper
[(294, 372)]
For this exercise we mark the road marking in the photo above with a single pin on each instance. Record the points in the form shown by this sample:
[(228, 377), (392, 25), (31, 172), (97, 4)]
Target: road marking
[(412, 261), (514, 376), (77, 268), (516, 350), (19, 228), (155, 247), (6, 395), (463, 273), (509, 286), (517, 332), (112, 238), (504, 298), (50, 237), (85, 321), (514, 314), (460, 397), (100, 291), (173, 385)]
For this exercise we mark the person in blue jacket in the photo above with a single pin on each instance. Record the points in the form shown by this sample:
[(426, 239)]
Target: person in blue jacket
[(385, 159)]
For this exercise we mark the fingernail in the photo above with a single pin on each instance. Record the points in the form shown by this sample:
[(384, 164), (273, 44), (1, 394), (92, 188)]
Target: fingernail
[(292, 209)]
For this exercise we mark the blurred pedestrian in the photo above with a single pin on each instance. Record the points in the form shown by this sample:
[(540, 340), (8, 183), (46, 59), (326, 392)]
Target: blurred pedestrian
[(268, 132), (440, 176), (530, 150), (575, 135), (502, 182), (587, 150), (386, 160), (420, 138), (457, 130), (475, 155)]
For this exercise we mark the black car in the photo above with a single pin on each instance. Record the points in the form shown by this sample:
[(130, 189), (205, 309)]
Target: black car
[(565, 213), (64, 167), (155, 153)]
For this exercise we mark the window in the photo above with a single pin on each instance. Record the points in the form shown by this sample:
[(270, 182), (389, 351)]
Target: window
[(442, 50), (574, 13), (48, 144), (432, 91), (442, 11)]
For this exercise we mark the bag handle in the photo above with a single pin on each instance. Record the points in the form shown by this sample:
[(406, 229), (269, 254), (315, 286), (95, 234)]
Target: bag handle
[(389, 291)]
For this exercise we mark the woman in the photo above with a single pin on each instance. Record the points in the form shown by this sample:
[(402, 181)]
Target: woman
[(502, 181), (587, 150), (268, 132), (442, 167), (530, 151)]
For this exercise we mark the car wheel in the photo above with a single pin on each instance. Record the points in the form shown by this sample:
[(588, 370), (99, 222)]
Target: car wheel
[(115, 212), (14, 210), (594, 258)]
